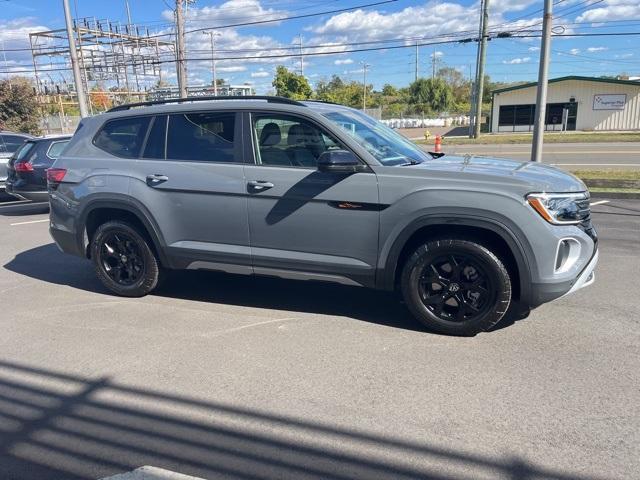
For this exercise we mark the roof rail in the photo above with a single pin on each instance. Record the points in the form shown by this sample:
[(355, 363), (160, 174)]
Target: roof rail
[(270, 99)]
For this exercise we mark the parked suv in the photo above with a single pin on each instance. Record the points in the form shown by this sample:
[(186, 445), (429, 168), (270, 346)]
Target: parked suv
[(27, 168), (9, 143), (315, 191)]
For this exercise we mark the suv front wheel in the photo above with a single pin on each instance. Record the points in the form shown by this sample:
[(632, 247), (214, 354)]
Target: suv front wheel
[(456, 287), (123, 259)]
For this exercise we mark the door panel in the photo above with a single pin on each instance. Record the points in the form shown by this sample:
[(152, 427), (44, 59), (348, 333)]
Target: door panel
[(199, 205), (307, 220)]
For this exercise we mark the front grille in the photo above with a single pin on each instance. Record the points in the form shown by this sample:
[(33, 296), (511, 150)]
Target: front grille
[(584, 212)]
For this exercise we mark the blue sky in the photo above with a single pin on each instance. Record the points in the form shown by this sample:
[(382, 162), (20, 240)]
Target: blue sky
[(507, 60)]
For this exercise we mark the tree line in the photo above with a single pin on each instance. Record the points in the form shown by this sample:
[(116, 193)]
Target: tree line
[(447, 92)]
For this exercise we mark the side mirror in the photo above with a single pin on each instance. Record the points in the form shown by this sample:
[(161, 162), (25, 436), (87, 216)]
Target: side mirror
[(339, 161)]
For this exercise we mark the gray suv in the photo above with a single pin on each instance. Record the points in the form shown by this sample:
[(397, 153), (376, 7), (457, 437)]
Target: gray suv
[(316, 191)]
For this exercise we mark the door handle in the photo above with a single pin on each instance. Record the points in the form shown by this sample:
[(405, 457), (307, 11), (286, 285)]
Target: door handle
[(156, 179), (260, 184)]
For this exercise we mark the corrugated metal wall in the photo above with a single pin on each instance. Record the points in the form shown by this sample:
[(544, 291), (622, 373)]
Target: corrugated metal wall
[(584, 93)]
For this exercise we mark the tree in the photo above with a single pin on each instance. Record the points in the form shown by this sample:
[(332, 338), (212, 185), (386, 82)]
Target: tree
[(338, 91), (389, 90), (18, 106), (99, 98), (291, 85), (430, 95), (460, 86)]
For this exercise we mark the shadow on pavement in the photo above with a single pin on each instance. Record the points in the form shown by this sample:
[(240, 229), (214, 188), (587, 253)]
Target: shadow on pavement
[(23, 209), (60, 426), (46, 263)]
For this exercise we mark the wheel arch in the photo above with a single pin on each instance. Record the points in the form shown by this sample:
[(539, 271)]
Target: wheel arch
[(512, 250), (101, 210)]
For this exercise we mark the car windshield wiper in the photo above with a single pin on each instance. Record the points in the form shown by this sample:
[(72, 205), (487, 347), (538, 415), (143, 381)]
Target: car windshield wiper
[(410, 162)]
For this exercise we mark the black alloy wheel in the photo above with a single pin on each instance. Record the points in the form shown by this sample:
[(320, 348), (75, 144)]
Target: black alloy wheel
[(456, 287), (121, 258), (124, 260)]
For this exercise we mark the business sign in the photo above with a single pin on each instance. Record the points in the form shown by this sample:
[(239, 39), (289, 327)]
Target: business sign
[(609, 102)]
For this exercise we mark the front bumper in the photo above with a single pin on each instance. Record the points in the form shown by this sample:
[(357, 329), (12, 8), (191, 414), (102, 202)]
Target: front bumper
[(547, 292)]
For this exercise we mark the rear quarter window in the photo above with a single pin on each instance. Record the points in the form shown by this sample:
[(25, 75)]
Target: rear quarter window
[(123, 137), (56, 149)]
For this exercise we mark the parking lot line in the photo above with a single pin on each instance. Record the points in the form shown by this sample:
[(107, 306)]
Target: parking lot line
[(599, 202), (30, 221)]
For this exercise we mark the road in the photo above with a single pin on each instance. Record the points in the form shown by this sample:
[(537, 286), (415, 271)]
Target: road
[(569, 156), (220, 376)]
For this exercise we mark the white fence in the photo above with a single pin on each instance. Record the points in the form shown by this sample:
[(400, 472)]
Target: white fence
[(427, 122)]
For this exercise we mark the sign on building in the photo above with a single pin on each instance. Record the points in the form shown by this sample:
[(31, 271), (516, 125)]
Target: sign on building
[(609, 102)]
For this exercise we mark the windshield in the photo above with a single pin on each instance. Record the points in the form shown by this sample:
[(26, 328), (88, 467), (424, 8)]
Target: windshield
[(386, 145)]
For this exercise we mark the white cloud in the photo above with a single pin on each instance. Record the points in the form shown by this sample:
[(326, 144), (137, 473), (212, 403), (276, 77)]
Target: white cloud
[(624, 55), (260, 74), (596, 49), (517, 61), (534, 49), (230, 12), (574, 51), (611, 10), (346, 61), (232, 68), (437, 54)]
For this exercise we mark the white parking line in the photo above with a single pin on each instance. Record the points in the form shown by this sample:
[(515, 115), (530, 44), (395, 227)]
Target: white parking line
[(599, 202), (30, 221)]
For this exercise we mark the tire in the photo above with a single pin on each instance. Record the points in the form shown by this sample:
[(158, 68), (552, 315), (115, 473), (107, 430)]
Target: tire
[(123, 260), (456, 287)]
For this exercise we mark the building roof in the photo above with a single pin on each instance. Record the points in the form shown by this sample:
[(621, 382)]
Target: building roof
[(571, 77)]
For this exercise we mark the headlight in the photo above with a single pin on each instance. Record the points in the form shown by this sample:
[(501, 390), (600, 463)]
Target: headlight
[(560, 208)]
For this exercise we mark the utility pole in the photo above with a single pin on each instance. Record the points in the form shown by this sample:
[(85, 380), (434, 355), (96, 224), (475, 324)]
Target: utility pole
[(212, 36), (433, 65), (365, 66), (417, 54), (480, 79), (82, 101), (473, 82), (181, 65), (301, 57), (126, 6), (543, 77)]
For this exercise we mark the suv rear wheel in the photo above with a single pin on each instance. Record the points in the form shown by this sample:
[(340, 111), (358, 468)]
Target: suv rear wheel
[(456, 287), (123, 259)]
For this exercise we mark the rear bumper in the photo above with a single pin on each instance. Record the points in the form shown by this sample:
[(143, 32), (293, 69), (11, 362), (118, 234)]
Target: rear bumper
[(546, 292), (22, 193), (67, 242)]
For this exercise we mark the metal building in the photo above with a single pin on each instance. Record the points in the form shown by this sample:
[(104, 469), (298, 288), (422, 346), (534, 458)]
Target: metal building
[(573, 103)]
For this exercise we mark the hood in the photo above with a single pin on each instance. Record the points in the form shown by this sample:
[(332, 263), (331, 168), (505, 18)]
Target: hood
[(533, 176)]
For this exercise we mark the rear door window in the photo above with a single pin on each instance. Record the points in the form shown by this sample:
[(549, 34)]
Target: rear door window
[(56, 148), (123, 137), (10, 143), (202, 137)]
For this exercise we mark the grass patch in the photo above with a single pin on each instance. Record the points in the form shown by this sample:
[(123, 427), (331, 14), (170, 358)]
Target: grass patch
[(502, 139), (610, 174), (614, 190)]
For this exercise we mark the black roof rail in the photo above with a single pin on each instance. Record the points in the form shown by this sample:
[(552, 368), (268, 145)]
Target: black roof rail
[(270, 99)]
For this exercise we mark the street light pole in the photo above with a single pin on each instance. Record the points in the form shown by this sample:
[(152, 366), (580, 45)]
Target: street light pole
[(365, 66), (543, 78), (212, 36), (82, 100), (482, 58)]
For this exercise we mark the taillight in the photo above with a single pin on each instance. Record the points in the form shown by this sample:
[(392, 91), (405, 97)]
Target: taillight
[(23, 167), (55, 175)]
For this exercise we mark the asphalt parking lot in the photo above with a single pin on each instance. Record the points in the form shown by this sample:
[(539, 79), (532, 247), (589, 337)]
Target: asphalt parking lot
[(220, 376)]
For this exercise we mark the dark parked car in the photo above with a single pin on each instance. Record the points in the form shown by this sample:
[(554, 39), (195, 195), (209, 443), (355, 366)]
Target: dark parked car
[(9, 143), (27, 168)]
